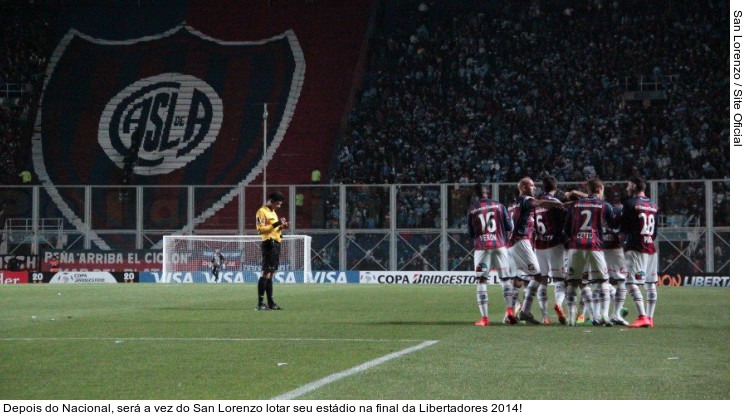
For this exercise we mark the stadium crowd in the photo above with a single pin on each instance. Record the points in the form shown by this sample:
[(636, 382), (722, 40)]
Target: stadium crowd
[(24, 42), (456, 92), (473, 91), (520, 88)]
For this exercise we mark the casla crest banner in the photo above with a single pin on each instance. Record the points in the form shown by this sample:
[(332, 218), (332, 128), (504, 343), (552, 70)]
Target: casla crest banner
[(175, 108)]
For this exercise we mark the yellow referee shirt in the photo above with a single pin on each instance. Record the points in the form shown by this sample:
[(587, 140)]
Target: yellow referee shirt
[(265, 220)]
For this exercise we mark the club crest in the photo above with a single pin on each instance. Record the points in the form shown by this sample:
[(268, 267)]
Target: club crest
[(165, 120), (172, 109)]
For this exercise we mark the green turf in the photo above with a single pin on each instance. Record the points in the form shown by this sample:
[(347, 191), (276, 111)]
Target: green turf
[(153, 342)]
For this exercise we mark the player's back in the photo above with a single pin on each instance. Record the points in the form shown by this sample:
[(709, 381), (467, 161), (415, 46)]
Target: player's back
[(488, 224), (584, 223), (523, 216), (611, 236), (549, 224), (639, 224)]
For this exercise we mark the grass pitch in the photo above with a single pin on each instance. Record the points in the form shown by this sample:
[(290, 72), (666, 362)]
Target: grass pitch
[(207, 342)]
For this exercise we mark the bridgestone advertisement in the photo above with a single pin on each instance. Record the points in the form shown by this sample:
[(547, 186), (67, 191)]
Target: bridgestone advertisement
[(84, 277)]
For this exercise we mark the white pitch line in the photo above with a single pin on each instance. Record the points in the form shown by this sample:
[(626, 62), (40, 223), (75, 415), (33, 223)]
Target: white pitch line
[(207, 339), (340, 375)]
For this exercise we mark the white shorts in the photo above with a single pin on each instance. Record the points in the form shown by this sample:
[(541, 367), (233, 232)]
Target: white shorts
[(642, 268), (584, 261), (512, 266), (494, 262), (615, 260), (552, 263), (525, 260)]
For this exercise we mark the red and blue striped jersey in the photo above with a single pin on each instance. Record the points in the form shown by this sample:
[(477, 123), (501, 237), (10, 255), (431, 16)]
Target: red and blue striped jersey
[(611, 239), (638, 222), (510, 210), (549, 224), (488, 224), (523, 216), (585, 221), (611, 236)]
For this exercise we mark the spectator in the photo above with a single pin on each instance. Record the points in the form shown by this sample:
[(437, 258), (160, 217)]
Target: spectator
[(25, 176), (550, 79), (24, 40)]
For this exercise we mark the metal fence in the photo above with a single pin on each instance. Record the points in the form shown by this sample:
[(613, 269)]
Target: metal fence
[(354, 227)]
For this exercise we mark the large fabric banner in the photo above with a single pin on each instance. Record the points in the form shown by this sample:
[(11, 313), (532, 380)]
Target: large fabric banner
[(171, 108)]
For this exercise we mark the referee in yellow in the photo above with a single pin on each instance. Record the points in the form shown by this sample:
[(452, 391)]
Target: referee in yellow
[(270, 228)]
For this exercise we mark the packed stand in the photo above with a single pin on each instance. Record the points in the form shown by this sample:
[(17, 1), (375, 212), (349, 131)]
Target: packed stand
[(468, 94), (24, 38)]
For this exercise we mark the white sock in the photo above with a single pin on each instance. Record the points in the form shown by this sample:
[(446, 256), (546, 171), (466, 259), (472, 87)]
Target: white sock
[(482, 294), (571, 303), (586, 296), (620, 294), (508, 293), (637, 296), (542, 299), (560, 292), (651, 295), (529, 295), (515, 300), (604, 299), (596, 306)]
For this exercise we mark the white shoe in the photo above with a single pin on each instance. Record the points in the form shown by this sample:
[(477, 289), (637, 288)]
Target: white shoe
[(619, 321)]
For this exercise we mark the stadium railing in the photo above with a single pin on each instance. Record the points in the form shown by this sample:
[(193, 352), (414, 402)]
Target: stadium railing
[(354, 227)]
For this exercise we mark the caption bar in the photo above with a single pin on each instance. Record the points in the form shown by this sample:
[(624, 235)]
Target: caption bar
[(251, 407)]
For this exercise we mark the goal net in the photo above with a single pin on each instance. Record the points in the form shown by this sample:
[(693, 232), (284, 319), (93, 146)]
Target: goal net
[(192, 255)]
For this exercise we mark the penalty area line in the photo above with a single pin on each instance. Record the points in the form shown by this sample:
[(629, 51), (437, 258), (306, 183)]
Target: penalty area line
[(310, 387)]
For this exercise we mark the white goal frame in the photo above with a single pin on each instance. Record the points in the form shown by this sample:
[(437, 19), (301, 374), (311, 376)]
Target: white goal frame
[(298, 262)]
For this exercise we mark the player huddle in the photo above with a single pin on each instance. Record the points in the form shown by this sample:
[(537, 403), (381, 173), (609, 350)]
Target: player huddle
[(577, 241)]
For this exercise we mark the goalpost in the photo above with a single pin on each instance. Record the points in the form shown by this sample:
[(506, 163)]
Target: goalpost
[(193, 254)]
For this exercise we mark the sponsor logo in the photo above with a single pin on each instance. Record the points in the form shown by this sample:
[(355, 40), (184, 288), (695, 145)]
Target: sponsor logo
[(703, 280), (177, 277), (225, 277), (410, 277), (326, 277), (367, 277), (83, 277), (13, 277), (247, 276)]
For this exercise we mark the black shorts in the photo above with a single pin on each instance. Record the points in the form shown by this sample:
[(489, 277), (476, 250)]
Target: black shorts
[(270, 251)]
